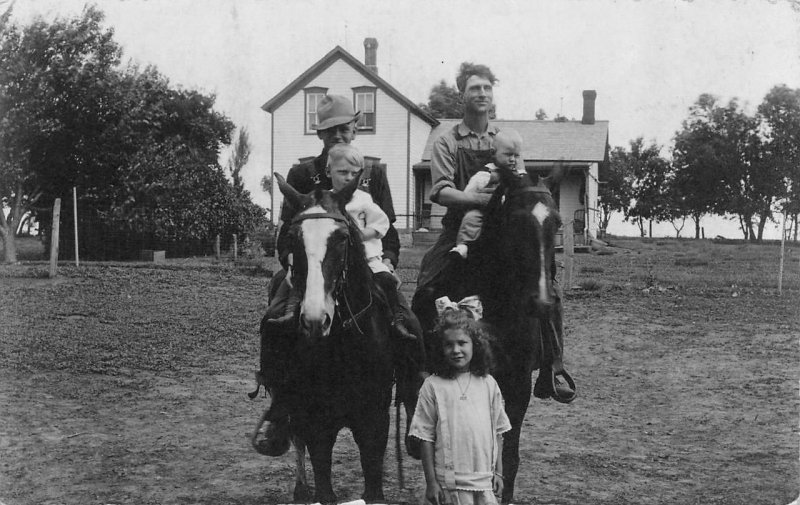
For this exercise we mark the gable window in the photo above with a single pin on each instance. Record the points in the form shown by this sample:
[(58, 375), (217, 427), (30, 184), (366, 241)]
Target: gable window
[(313, 97), (364, 100)]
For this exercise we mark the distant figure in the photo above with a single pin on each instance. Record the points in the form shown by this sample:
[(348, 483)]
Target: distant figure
[(460, 416)]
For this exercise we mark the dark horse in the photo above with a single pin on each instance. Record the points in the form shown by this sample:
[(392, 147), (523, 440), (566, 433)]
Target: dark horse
[(343, 368), (511, 267)]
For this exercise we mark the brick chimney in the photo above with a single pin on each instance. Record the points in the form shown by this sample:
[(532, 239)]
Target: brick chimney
[(371, 53), (589, 96)]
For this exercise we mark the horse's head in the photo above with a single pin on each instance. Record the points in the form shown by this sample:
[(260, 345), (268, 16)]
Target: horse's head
[(321, 240), (526, 223)]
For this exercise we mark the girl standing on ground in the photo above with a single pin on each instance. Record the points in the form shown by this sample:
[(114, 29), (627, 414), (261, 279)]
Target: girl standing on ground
[(460, 417)]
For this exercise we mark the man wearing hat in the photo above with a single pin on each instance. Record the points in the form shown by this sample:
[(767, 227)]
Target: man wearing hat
[(336, 123)]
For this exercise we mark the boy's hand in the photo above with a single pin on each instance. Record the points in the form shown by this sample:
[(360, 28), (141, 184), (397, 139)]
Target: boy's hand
[(369, 234)]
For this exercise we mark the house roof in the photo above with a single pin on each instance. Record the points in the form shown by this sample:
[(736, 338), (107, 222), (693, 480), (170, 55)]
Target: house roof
[(335, 54), (569, 141)]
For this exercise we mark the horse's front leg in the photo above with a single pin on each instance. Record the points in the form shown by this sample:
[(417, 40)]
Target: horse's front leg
[(516, 406), (320, 449), (302, 493), (371, 435)]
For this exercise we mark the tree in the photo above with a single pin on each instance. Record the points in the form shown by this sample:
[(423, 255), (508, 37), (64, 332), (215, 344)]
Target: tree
[(541, 115), (444, 101), (780, 112), (749, 185), (238, 159), (696, 163), (49, 76), (729, 164), (646, 173), (143, 155), (615, 190), (676, 208)]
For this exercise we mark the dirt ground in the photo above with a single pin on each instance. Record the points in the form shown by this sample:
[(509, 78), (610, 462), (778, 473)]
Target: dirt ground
[(126, 384)]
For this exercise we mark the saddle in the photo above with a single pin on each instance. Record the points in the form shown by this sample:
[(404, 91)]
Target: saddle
[(551, 373)]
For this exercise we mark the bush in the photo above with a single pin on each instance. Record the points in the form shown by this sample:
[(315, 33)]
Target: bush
[(691, 261), (267, 237), (590, 285)]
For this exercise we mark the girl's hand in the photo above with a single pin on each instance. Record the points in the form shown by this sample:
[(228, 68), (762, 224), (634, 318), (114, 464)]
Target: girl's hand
[(435, 494), (497, 484)]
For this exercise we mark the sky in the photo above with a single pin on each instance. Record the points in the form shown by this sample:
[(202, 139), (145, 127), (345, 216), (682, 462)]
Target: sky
[(649, 61)]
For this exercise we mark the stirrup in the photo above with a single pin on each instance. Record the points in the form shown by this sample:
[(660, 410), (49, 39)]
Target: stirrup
[(548, 385)]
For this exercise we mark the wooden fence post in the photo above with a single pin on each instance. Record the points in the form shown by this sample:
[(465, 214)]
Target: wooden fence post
[(783, 249), (235, 247), (54, 238), (216, 247), (569, 254), (75, 218)]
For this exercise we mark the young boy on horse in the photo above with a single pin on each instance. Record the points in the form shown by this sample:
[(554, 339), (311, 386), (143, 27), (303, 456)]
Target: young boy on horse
[(507, 156), (345, 163)]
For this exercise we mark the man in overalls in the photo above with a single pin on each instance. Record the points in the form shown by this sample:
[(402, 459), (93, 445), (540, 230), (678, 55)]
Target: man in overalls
[(336, 123), (456, 156)]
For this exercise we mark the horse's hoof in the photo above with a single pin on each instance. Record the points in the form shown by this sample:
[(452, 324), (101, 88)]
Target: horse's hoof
[(373, 498), (329, 500), (302, 493)]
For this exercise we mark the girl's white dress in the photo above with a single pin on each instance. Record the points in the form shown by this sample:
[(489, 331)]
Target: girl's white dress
[(462, 421)]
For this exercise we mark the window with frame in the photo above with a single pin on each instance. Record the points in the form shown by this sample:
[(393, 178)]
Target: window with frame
[(313, 98), (364, 100)]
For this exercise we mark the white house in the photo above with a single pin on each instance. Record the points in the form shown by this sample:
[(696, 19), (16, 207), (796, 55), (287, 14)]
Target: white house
[(395, 132), (392, 130)]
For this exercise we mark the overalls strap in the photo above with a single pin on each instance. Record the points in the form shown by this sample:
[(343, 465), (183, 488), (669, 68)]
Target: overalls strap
[(468, 162)]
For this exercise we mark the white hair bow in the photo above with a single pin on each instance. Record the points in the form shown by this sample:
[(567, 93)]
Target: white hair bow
[(471, 304)]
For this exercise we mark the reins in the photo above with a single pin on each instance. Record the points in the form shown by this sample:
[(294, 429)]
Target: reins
[(341, 281)]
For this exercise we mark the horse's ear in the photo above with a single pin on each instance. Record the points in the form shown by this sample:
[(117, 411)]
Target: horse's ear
[(296, 199), (508, 178), (558, 172), (346, 194), (533, 175)]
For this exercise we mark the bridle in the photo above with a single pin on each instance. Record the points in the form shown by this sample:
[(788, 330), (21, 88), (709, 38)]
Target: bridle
[(340, 283)]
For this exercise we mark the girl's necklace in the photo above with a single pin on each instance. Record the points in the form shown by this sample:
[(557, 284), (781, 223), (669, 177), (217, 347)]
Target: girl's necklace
[(463, 390)]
